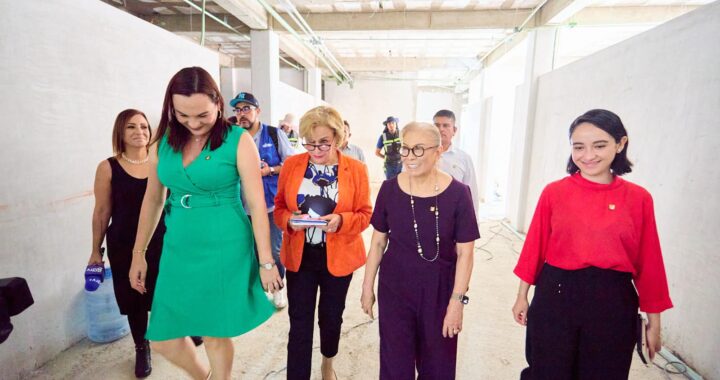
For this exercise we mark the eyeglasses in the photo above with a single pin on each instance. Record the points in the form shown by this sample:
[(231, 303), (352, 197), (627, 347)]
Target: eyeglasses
[(244, 109), (417, 150), (323, 147)]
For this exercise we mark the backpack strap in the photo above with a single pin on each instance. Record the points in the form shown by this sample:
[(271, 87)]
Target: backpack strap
[(273, 132)]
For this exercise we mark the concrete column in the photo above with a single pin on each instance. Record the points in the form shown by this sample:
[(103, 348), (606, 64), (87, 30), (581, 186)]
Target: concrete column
[(265, 63), (227, 87), (314, 83), (539, 60)]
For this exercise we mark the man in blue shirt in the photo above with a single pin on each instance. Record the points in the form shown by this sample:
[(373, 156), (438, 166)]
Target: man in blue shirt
[(388, 147), (274, 147)]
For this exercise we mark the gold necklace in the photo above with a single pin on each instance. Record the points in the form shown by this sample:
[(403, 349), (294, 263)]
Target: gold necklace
[(437, 222)]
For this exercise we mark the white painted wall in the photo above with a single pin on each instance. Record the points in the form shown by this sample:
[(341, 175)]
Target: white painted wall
[(430, 101), (67, 67), (292, 100), (665, 85), (293, 77), (366, 105)]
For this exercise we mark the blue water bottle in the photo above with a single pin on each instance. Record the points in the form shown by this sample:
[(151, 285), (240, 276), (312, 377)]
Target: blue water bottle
[(104, 321)]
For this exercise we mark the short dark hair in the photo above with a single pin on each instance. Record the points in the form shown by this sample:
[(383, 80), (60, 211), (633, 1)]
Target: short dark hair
[(445, 113), (121, 121), (610, 123), (189, 81)]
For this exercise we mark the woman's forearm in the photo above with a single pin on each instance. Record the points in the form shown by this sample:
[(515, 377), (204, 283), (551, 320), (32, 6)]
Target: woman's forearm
[(523, 289), (150, 213), (463, 267), (377, 248), (261, 231), (100, 221)]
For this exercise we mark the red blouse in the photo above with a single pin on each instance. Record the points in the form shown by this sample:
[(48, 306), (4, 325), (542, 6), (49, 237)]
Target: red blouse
[(579, 223)]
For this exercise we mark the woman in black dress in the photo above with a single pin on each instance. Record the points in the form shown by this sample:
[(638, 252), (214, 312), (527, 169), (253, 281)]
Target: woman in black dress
[(119, 189)]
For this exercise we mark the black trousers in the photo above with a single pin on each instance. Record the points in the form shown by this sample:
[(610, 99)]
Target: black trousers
[(581, 325), (302, 289), (138, 321)]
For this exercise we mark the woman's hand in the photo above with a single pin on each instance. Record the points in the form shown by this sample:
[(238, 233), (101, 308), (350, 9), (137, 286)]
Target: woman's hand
[(95, 258), (452, 325), (520, 310), (270, 279), (334, 222), (138, 271), (654, 341), (296, 227), (367, 300)]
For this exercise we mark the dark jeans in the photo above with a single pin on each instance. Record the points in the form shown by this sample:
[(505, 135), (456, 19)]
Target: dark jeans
[(302, 289), (581, 325), (392, 170)]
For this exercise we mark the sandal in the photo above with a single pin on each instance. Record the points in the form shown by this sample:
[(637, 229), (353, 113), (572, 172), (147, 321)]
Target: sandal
[(94, 276)]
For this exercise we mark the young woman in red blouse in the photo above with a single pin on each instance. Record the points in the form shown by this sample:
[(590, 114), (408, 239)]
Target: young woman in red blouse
[(593, 237)]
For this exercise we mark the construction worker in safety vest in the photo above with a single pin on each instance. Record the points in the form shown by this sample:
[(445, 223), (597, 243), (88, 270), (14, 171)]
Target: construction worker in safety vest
[(388, 147)]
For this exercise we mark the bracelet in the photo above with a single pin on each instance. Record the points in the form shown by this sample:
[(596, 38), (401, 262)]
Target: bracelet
[(139, 251)]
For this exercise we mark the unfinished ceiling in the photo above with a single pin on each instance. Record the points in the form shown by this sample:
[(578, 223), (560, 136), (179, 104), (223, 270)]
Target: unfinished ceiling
[(436, 42)]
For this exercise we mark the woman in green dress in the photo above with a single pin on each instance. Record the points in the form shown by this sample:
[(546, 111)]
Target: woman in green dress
[(211, 283)]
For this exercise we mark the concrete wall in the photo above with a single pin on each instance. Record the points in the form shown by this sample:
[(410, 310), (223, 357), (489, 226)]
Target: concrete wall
[(293, 77), (67, 67), (292, 100), (366, 105), (665, 85)]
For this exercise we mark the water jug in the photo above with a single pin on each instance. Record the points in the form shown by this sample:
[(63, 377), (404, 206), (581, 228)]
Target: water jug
[(104, 321)]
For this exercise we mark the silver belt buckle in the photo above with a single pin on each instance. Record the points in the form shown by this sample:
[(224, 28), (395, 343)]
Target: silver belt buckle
[(184, 199)]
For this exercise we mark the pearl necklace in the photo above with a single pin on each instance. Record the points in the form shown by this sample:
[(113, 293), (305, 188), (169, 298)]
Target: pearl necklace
[(134, 162), (437, 224)]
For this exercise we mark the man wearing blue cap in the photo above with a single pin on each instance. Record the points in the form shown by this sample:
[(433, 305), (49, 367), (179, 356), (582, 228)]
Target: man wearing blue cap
[(274, 148), (388, 147)]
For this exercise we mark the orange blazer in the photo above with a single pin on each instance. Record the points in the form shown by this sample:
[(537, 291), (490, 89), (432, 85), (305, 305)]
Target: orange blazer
[(345, 248)]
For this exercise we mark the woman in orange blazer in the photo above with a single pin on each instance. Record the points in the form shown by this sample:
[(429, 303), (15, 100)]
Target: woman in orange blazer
[(320, 184)]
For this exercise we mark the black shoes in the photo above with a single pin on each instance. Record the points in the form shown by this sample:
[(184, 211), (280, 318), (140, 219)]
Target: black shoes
[(143, 368), (197, 340)]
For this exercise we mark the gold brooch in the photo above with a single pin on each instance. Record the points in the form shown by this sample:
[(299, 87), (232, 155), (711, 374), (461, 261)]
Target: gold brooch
[(611, 206)]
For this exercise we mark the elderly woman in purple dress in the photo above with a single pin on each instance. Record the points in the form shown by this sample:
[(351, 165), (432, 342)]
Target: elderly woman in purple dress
[(425, 230)]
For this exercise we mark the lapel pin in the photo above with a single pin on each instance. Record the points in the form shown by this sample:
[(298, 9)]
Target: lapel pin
[(611, 206)]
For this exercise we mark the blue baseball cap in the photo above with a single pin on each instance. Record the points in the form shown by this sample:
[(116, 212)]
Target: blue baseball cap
[(244, 97)]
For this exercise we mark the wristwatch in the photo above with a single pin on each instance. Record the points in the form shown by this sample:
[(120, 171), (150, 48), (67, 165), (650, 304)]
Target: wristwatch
[(460, 297), (272, 170), (267, 266)]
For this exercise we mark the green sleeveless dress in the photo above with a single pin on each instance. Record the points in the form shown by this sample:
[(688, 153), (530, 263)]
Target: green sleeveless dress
[(208, 283)]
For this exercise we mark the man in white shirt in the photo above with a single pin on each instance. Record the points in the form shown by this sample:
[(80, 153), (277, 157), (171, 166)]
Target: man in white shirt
[(351, 150), (454, 161)]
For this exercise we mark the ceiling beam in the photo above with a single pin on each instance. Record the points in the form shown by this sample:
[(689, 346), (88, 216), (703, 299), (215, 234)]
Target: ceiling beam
[(593, 16), (295, 49), (557, 11), (356, 64), (250, 12), (628, 15), (192, 23), (436, 20)]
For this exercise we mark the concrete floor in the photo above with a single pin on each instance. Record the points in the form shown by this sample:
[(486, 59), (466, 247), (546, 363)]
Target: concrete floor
[(491, 345)]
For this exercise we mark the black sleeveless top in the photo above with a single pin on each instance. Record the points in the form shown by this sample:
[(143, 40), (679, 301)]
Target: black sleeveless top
[(127, 196)]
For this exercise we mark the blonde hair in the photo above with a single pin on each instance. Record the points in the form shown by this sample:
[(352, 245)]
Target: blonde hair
[(421, 127), (323, 116)]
